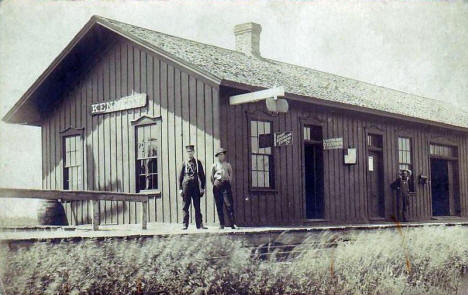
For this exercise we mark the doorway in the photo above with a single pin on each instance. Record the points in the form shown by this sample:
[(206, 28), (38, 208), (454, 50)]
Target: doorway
[(444, 188), (313, 172), (375, 185), (375, 176)]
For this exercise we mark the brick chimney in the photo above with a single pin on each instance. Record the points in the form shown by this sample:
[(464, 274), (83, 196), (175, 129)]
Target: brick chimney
[(248, 38)]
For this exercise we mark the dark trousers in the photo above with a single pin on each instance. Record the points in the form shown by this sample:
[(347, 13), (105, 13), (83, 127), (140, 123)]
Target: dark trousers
[(223, 197), (191, 192), (402, 207)]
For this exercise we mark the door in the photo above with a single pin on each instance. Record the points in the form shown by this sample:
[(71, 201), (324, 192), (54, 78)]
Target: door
[(444, 188), (375, 185), (313, 172)]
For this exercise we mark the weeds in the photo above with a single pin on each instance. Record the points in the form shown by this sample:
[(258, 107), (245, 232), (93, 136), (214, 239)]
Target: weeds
[(366, 263)]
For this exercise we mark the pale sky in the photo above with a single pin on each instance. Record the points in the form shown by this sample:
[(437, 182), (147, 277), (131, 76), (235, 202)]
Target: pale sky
[(420, 47)]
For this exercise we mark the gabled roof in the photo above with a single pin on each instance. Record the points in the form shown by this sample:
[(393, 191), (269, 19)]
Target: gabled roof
[(229, 67)]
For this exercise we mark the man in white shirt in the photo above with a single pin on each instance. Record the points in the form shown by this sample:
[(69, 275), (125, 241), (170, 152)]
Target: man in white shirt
[(221, 177)]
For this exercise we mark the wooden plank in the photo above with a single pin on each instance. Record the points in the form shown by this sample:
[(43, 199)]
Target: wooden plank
[(68, 195), (165, 174), (346, 172), (96, 215), (178, 148), (256, 95), (150, 112), (285, 216), (113, 135), (353, 191), (157, 112), (119, 163), (141, 87), (331, 168), (291, 181), (144, 209), (125, 131), (131, 131), (298, 178), (200, 134), (172, 184), (74, 100), (216, 127), (236, 157)]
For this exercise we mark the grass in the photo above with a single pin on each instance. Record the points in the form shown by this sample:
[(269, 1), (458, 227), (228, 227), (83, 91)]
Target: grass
[(416, 261)]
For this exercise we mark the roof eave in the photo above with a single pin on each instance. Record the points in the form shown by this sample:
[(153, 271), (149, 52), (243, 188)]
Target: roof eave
[(9, 116), (348, 107)]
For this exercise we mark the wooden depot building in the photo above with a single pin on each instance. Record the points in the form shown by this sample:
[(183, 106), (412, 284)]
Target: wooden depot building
[(120, 102)]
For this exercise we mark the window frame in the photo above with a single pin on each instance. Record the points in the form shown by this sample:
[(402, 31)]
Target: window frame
[(272, 172), (73, 132), (413, 186), (144, 121)]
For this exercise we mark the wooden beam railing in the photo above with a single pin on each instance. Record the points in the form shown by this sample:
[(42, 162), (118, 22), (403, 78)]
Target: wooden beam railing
[(94, 196)]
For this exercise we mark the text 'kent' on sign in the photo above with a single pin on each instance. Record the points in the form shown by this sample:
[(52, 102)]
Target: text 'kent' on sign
[(135, 100)]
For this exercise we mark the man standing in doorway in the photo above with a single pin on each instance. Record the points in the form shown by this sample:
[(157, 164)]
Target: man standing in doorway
[(221, 177), (192, 186), (402, 187)]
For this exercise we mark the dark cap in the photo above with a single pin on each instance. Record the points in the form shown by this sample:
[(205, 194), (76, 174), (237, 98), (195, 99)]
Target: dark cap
[(189, 147), (220, 151)]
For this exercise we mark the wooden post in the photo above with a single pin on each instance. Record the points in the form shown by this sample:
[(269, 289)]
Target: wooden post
[(144, 221), (96, 220)]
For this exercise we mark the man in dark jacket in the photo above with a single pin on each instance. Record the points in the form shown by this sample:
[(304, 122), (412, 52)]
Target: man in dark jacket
[(192, 186), (402, 187)]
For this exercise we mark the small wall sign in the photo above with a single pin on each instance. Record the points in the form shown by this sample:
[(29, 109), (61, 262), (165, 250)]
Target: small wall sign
[(350, 156), (135, 100), (283, 138), (371, 163), (333, 143)]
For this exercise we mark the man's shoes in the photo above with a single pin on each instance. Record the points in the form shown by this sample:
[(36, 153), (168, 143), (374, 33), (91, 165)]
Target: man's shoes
[(202, 227), (233, 226), (221, 227), (185, 227)]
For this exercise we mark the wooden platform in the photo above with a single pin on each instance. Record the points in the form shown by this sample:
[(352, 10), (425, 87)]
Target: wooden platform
[(76, 233)]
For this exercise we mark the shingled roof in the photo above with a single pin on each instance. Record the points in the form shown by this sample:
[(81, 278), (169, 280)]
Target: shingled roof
[(225, 65), (231, 65)]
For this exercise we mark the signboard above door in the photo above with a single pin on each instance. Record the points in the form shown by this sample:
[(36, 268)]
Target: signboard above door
[(135, 100), (333, 143)]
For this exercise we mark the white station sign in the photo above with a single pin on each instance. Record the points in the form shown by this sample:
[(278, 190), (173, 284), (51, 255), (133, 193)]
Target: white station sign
[(135, 100), (273, 103)]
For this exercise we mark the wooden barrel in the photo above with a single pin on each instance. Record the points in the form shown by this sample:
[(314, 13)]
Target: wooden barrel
[(51, 212)]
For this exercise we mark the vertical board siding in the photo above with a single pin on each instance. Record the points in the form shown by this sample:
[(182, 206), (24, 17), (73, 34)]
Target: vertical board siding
[(186, 105), (345, 193), (191, 111)]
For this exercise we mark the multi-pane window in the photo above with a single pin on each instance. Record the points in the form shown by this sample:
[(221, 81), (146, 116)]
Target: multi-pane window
[(261, 158), (404, 153), (72, 166), (404, 157), (374, 140), (443, 150), (312, 133), (147, 156)]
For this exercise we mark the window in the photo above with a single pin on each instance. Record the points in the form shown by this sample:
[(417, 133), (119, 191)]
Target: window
[(443, 150), (72, 168), (261, 157), (147, 157), (404, 157), (313, 133), (374, 140)]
